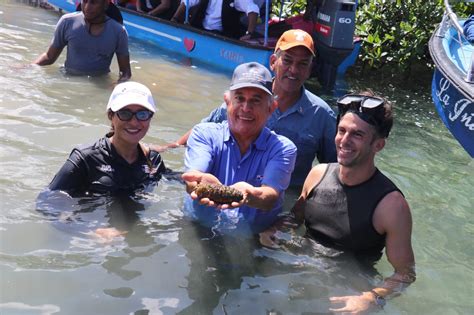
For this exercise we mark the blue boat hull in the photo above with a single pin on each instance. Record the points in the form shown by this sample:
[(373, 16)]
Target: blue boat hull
[(452, 95), (455, 110)]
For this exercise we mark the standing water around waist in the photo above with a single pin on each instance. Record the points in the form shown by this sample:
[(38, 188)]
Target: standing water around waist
[(51, 261)]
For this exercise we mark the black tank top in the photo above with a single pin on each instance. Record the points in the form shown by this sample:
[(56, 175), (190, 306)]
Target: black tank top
[(340, 216)]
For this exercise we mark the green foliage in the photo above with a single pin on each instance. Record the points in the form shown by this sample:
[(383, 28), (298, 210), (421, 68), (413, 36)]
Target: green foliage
[(396, 32), (288, 8)]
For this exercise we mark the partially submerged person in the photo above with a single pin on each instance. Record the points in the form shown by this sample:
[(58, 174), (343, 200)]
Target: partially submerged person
[(350, 205), (92, 38), (220, 16), (301, 116), (163, 9), (117, 162), (242, 152)]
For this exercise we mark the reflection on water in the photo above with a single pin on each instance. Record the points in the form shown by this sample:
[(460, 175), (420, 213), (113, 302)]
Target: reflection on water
[(52, 260)]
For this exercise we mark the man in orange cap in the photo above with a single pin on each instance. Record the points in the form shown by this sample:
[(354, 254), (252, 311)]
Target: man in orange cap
[(301, 116)]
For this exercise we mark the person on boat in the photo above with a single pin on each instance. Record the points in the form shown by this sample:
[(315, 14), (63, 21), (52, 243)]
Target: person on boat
[(468, 29), (128, 4), (117, 162), (301, 116), (220, 16), (92, 38), (163, 9), (351, 206), (242, 152)]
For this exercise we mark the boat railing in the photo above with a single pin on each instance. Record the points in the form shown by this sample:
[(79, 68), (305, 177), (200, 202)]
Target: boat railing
[(451, 17)]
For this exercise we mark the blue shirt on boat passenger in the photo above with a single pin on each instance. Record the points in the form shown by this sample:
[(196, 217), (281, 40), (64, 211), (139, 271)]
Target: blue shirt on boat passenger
[(310, 123), (269, 161)]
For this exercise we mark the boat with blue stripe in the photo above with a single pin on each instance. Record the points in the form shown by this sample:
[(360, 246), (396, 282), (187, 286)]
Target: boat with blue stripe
[(220, 52), (453, 80)]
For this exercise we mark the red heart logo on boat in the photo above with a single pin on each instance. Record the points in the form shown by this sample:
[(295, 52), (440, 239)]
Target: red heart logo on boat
[(189, 44)]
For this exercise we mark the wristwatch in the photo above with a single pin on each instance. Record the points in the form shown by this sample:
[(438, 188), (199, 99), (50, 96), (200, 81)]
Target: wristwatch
[(379, 300)]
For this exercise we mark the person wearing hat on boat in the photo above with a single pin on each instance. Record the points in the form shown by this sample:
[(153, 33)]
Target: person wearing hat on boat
[(220, 16), (242, 152), (301, 116), (92, 38), (117, 162), (351, 206)]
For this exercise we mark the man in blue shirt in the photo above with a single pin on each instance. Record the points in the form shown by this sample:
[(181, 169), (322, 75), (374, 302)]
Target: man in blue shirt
[(301, 116), (242, 152)]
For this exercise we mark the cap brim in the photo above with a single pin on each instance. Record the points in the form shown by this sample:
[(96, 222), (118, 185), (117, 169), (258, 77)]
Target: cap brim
[(121, 104), (244, 85)]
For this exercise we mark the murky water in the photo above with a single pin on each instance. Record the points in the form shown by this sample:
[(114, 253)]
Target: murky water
[(166, 264)]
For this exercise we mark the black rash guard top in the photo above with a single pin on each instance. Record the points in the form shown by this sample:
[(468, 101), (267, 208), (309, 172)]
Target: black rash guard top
[(340, 216), (98, 168)]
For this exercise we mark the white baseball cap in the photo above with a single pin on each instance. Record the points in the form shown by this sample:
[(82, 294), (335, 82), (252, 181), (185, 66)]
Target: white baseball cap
[(131, 93)]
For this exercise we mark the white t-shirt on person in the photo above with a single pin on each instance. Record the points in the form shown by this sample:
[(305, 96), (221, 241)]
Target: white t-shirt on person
[(212, 20)]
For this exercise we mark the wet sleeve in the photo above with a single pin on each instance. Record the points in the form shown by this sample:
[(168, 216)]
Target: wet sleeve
[(73, 174), (327, 147), (218, 115), (122, 45), (59, 37), (199, 153), (278, 170), (158, 162)]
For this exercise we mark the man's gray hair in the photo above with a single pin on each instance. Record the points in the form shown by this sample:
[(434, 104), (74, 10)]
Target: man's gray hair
[(271, 98)]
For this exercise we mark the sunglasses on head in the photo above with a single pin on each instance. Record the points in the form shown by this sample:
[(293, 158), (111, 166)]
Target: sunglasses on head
[(127, 115), (368, 108)]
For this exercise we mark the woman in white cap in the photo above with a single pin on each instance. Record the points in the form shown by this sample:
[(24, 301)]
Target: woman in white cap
[(117, 162)]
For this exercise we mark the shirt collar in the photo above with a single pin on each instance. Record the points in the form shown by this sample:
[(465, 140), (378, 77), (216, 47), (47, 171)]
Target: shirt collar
[(260, 143), (300, 105)]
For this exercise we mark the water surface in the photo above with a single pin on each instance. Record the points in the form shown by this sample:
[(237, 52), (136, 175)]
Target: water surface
[(52, 262)]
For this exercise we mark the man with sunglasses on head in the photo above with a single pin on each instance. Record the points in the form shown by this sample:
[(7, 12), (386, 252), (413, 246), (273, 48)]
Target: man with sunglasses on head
[(92, 38), (351, 206), (118, 162)]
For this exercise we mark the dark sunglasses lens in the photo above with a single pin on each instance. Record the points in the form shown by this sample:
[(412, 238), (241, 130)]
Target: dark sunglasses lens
[(372, 102), (143, 115), (124, 115)]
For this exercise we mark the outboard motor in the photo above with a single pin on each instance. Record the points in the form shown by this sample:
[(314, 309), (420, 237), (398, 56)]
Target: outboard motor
[(333, 37)]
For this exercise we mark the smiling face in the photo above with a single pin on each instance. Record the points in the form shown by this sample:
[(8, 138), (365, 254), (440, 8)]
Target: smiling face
[(292, 68), (132, 131), (356, 141), (247, 111)]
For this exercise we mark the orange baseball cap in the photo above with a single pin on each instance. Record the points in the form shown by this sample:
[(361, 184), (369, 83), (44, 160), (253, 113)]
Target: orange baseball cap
[(293, 38)]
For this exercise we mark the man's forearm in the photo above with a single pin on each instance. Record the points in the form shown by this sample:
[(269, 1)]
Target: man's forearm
[(263, 198), (396, 283), (43, 60)]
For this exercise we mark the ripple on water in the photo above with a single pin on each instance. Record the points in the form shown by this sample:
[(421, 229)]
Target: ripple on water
[(14, 307)]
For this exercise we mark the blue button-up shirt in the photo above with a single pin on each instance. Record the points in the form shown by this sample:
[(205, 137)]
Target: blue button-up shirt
[(269, 161), (310, 123)]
